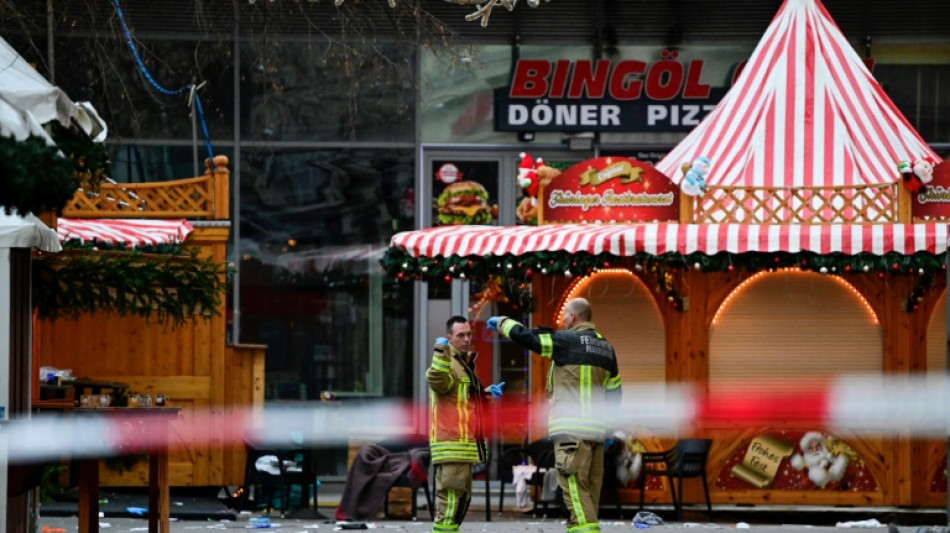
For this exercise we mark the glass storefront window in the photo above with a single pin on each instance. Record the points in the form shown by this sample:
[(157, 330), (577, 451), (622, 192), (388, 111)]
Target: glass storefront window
[(313, 227), (128, 103), (134, 163), (318, 91)]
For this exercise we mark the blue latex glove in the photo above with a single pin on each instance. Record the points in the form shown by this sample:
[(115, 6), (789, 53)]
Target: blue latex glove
[(495, 390), (493, 323), (442, 341)]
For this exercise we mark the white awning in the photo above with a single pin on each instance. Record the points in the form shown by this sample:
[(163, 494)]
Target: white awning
[(27, 101), (26, 232)]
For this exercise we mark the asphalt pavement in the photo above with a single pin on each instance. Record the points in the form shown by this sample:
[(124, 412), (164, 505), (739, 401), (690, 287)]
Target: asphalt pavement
[(517, 522), (505, 525), (758, 518)]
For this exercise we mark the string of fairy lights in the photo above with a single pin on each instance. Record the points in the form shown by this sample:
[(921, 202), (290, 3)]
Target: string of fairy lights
[(512, 274)]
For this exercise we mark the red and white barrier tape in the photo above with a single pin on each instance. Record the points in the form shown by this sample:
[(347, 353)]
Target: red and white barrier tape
[(917, 406)]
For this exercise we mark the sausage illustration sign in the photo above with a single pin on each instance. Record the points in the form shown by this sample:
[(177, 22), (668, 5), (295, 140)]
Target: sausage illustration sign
[(609, 190)]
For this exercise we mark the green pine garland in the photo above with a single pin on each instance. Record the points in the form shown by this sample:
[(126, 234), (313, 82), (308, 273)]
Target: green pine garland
[(517, 271), (171, 288)]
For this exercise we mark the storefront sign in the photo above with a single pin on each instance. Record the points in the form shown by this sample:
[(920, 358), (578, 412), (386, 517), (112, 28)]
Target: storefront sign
[(933, 199), (609, 189), (585, 95)]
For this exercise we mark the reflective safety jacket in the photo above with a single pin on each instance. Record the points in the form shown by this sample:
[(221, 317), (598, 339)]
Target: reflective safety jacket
[(584, 381), (455, 432)]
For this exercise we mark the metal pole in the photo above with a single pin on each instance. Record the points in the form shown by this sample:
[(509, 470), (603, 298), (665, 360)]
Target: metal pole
[(236, 184), (947, 367)]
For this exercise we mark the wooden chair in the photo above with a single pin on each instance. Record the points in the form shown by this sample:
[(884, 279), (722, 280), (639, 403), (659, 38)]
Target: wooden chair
[(686, 459)]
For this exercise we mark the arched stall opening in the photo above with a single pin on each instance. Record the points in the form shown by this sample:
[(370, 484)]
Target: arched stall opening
[(792, 332)]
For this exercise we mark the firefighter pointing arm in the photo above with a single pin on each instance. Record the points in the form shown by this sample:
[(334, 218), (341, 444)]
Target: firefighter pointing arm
[(584, 384)]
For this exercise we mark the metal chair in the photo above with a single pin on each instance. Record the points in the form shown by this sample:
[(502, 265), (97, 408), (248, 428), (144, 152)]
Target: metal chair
[(291, 466), (686, 459), (541, 454)]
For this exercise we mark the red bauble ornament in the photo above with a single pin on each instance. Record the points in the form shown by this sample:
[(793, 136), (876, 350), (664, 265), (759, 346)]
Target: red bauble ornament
[(777, 260), (447, 278), (731, 268), (880, 275), (847, 268), (606, 264), (895, 266)]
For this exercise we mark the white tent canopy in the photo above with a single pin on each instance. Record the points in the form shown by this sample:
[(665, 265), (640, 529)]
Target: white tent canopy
[(26, 232), (27, 101)]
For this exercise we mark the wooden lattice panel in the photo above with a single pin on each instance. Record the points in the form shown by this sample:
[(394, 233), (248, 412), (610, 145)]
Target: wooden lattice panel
[(187, 198), (750, 205)]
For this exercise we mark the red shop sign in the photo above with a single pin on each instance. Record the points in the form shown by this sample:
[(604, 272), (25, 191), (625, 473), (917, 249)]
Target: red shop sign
[(932, 202), (609, 190)]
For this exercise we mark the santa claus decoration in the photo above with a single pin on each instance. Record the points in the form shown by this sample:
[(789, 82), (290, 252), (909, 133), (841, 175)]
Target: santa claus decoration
[(528, 176), (823, 467), (532, 175), (914, 176)]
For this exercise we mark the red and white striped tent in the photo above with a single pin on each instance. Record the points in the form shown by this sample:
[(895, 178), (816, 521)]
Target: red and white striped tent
[(132, 233), (804, 112)]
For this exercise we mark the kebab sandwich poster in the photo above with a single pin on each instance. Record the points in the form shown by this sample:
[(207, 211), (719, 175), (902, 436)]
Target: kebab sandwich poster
[(465, 192)]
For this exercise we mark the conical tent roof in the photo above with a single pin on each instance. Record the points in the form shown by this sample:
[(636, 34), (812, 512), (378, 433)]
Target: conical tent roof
[(805, 112)]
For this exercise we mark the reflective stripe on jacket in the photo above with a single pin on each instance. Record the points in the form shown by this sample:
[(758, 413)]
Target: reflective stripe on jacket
[(454, 407), (583, 381)]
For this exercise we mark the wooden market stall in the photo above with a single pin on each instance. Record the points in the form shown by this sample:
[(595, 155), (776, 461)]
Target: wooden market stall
[(793, 237), (191, 363)]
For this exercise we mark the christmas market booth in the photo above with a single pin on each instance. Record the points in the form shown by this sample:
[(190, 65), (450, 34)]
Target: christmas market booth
[(134, 306), (797, 234)]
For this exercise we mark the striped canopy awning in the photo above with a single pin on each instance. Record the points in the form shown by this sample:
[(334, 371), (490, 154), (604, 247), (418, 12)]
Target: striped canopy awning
[(132, 233), (663, 238), (804, 112)]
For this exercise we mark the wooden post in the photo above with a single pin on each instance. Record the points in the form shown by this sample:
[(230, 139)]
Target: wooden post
[(904, 205), (220, 184), (686, 209)]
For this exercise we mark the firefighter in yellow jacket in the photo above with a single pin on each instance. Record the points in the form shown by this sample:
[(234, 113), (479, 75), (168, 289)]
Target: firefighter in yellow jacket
[(584, 387), (456, 439)]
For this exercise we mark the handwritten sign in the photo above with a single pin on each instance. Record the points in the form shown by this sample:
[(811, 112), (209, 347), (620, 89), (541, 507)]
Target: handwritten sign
[(762, 461), (609, 190)]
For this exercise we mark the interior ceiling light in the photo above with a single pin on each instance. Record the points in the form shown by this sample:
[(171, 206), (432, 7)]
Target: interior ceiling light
[(837, 279)]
